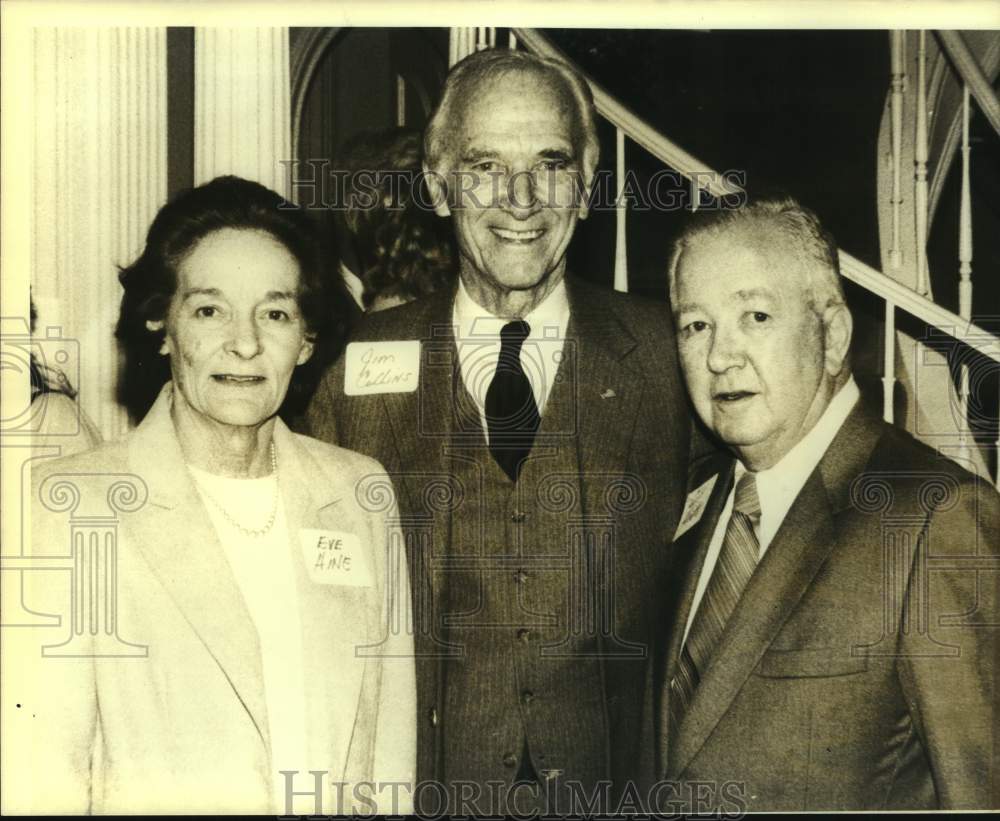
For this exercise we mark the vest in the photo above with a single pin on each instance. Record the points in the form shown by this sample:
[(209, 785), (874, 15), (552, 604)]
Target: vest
[(517, 589)]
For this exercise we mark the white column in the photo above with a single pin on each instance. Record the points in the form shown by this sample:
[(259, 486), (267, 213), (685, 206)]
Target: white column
[(242, 120), (99, 176), (462, 41)]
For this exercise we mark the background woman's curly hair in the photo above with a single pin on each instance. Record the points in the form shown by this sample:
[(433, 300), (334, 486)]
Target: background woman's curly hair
[(404, 248)]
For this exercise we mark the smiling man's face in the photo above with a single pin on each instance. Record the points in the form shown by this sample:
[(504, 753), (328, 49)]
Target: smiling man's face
[(752, 349), (514, 191)]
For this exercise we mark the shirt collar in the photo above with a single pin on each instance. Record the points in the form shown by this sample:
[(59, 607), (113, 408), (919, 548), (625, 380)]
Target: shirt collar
[(779, 485), (354, 285), (551, 315)]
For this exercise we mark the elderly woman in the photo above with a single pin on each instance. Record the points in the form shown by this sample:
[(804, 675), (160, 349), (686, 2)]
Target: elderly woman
[(246, 640)]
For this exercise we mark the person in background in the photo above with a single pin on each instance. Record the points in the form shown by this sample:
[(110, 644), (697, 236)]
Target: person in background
[(831, 640), (259, 586), (392, 248), (61, 423)]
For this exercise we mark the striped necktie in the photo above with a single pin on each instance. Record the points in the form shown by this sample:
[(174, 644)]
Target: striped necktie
[(736, 563)]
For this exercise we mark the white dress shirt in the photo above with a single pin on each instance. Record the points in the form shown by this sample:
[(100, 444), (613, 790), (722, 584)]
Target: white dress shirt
[(354, 285), (478, 342), (778, 486), (263, 570)]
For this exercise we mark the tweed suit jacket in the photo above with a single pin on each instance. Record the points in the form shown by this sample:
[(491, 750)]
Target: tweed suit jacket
[(859, 668), (164, 709), (624, 421)]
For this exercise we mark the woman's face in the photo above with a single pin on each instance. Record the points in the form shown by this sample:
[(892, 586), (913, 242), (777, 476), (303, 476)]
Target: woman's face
[(234, 332)]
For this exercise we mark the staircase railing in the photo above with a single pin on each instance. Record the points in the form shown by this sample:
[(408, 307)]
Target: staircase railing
[(934, 79)]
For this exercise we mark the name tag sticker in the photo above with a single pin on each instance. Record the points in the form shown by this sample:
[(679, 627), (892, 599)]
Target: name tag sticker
[(694, 507), (381, 367), (336, 557)]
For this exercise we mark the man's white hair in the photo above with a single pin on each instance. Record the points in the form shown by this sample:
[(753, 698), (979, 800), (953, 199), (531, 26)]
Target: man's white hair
[(481, 67), (797, 229)]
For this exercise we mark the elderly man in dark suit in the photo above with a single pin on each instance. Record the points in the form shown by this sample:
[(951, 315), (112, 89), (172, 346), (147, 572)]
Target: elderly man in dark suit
[(835, 603), (536, 428)]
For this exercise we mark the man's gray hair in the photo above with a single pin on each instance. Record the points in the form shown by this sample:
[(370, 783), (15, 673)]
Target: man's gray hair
[(482, 66), (797, 228)]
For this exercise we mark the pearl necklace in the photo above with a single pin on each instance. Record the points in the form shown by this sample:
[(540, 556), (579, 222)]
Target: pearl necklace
[(252, 532)]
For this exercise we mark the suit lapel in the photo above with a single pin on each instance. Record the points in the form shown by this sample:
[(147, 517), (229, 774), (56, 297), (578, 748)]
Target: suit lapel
[(420, 423), (177, 538), (688, 558), (783, 575), (334, 619), (798, 550), (421, 420), (608, 392), (604, 393)]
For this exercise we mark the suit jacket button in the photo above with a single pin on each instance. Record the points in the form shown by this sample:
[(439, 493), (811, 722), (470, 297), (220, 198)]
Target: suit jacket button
[(432, 716), (510, 760)]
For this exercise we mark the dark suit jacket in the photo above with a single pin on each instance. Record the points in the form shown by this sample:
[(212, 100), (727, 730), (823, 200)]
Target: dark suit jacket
[(627, 418), (858, 670)]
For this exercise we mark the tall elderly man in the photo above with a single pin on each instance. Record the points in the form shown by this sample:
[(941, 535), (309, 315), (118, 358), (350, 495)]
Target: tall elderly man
[(833, 640), (538, 434)]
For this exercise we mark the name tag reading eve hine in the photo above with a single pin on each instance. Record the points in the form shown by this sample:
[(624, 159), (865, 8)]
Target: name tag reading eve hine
[(381, 367), (336, 557), (694, 507)]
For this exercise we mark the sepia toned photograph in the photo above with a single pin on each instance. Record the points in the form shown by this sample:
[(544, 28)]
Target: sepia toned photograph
[(596, 412)]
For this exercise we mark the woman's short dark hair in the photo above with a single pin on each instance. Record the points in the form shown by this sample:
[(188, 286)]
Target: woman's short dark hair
[(150, 283)]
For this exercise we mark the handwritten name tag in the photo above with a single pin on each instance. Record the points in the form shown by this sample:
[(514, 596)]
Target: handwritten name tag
[(336, 557), (381, 367), (694, 507)]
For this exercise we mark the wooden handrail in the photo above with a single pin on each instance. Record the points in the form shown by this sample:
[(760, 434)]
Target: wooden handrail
[(968, 333), (637, 129), (972, 75)]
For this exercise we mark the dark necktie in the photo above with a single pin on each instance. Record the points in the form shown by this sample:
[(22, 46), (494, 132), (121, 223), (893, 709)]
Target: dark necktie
[(511, 414), (736, 563)]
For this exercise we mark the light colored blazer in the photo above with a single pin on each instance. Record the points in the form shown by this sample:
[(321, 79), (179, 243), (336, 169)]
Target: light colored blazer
[(184, 727), (62, 424)]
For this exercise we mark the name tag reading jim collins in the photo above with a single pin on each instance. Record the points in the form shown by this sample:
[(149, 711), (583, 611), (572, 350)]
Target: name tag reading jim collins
[(336, 557), (381, 367)]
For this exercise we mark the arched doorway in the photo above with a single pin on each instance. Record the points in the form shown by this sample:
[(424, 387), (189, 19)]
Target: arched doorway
[(348, 80)]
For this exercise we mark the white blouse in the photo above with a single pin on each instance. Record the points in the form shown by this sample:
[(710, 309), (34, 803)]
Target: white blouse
[(262, 567)]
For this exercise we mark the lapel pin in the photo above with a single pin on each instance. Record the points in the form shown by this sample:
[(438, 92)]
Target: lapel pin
[(607, 393)]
